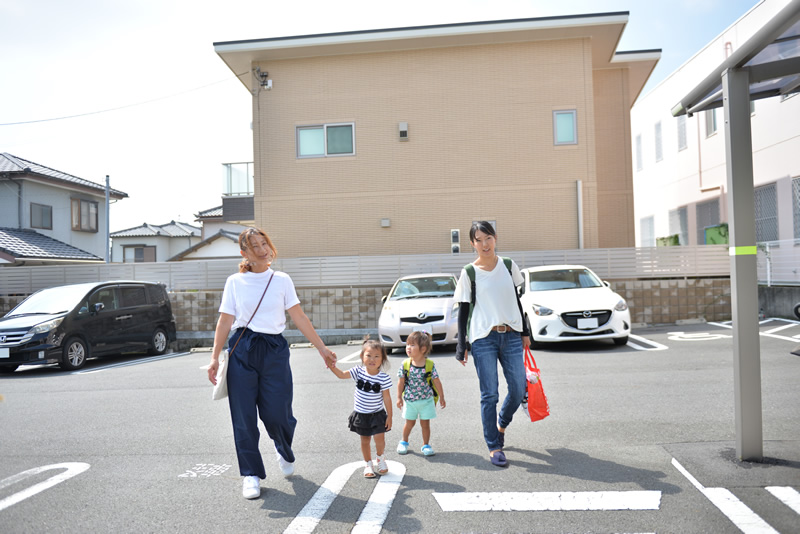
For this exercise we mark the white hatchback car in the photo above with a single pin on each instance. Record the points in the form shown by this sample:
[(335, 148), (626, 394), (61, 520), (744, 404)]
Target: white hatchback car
[(571, 303), (420, 302)]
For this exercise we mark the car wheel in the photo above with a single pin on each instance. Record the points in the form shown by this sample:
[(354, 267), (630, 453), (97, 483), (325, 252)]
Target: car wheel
[(75, 353), (797, 310), (619, 341), (159, 342), (8, 369)]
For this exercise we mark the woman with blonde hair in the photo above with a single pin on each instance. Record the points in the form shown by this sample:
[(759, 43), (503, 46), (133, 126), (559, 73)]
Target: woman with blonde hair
[(254, 305)]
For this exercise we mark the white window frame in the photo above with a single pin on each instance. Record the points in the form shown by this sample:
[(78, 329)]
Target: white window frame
[(639, 165), (683, 142), (711, 121), (574, 114), (659, 147), (138, 250), (324, 128)]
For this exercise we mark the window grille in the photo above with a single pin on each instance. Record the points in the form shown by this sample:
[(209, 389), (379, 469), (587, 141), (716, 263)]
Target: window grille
[(707, 214), (766, 209)]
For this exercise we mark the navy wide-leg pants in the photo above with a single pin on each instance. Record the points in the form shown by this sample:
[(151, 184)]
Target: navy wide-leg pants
[(260, 386)]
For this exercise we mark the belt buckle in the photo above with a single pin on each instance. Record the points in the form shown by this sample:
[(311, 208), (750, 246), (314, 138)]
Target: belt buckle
[(502, 329)]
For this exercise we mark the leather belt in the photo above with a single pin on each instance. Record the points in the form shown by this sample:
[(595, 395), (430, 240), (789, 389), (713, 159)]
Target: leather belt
[(502, 329)]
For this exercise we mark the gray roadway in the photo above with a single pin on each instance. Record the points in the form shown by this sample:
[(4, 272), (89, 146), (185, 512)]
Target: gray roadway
[(158, 448)]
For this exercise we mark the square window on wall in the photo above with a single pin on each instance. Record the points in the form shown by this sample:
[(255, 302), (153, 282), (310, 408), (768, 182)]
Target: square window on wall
[(711, 122), (324, 140), (565, 127)]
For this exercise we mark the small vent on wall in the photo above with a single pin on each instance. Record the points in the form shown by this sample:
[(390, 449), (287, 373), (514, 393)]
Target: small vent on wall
[(403, 127)]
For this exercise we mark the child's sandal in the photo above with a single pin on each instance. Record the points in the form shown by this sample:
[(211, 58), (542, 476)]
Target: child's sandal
[(369, 472)]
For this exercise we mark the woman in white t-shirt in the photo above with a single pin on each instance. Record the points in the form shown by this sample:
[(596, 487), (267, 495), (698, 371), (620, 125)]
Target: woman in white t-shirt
[(496, 332), (259, 376)]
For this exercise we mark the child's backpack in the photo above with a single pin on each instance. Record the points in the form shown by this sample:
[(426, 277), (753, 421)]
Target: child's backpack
[(428, 376), (471, 274)]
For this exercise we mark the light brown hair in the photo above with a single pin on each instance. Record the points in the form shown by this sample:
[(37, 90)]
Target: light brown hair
[(244, 243)]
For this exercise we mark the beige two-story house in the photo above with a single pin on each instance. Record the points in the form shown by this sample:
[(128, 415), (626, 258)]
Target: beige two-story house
[(386, 141)]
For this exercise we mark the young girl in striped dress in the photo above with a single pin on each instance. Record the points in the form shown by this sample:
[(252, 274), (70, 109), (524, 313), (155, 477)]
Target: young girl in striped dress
[(372, 404)]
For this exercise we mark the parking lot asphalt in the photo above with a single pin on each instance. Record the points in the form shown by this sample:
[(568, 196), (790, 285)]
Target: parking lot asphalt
[(640, 438)]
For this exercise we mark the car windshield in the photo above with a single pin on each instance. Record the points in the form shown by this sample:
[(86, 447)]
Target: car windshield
[(563, 279), (52, 300), (424, 287)]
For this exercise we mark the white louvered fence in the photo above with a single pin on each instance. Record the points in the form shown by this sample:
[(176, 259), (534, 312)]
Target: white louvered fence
[(340, 271)]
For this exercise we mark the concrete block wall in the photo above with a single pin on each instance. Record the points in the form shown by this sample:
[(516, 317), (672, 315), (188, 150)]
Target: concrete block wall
[(339, 314)]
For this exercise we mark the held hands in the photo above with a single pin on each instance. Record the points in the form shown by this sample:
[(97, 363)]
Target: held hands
[(329, 356)]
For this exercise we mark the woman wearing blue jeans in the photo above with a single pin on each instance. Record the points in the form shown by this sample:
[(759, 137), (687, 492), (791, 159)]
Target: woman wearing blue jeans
[(496, 333)]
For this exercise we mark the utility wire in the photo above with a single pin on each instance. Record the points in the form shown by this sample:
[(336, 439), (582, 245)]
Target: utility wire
[(120, 107)]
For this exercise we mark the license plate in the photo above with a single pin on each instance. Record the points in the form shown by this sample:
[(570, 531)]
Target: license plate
[(586, 324), (424, 328), (4, 352)]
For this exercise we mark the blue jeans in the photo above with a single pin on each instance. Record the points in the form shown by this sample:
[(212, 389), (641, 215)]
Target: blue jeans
[(505, 348), (260, 386)]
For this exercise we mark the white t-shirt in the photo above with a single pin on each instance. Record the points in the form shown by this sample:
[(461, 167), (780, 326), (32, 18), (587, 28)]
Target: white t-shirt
[(496, 298), (242, 293)]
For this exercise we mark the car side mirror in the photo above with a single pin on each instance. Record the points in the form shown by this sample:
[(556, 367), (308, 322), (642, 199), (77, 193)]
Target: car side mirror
[(606, 284), (99, 306), (383, 299)]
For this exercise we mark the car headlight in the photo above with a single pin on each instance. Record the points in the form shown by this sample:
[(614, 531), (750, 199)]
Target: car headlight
[(621, 305), (41, 328), (542, 310), (387, 312)]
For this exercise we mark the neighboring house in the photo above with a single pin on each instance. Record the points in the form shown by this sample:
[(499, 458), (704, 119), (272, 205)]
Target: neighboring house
[(48, 216), (680, 169), (379, 141), (150, 242), (223, 244), (212, 221)]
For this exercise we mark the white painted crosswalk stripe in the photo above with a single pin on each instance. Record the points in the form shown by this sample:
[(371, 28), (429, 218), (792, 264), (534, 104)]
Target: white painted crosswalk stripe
[(740, 515), (548, 501), (788, 496)]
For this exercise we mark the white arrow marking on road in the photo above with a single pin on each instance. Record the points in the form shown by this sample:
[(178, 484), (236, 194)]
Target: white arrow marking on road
[(766, 334), (548, 501), (374, 513), (696, 336), (743, 517), (787, 495), (72, 469)]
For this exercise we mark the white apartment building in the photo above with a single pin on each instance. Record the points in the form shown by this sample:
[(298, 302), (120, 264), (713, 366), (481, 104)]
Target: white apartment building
[(679, 165)]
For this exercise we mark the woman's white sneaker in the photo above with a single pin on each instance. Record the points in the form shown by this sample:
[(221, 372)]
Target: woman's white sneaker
[(287, 468), (251, 487)]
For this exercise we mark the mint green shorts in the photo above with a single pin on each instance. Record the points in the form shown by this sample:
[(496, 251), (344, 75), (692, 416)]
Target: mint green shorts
[(422, 409)]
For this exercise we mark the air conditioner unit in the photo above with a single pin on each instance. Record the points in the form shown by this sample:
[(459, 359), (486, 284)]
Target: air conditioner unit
[(403, 128)]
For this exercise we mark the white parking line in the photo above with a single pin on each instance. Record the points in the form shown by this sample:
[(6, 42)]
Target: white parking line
[(787, 495), (555, 501), (134, 362), (656, 346), (743, 517), (350, 358)]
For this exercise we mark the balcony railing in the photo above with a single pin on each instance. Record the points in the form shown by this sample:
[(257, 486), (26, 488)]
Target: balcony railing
[(237, 179)]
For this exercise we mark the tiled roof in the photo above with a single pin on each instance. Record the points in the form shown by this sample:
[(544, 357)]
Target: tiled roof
[(26, 244), (212, 212), (171, 229), (13, 164)]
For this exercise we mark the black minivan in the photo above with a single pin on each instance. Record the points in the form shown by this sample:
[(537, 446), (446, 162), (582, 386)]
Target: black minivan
[(69, 324)]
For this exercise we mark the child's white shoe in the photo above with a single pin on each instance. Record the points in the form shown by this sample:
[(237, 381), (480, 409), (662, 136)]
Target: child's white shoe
[(380, 465)]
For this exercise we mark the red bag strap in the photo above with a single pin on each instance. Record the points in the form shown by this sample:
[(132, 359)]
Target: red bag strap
[(530, 362)]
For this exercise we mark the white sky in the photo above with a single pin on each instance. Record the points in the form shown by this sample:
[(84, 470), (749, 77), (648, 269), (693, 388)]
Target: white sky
[(183, 112)]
